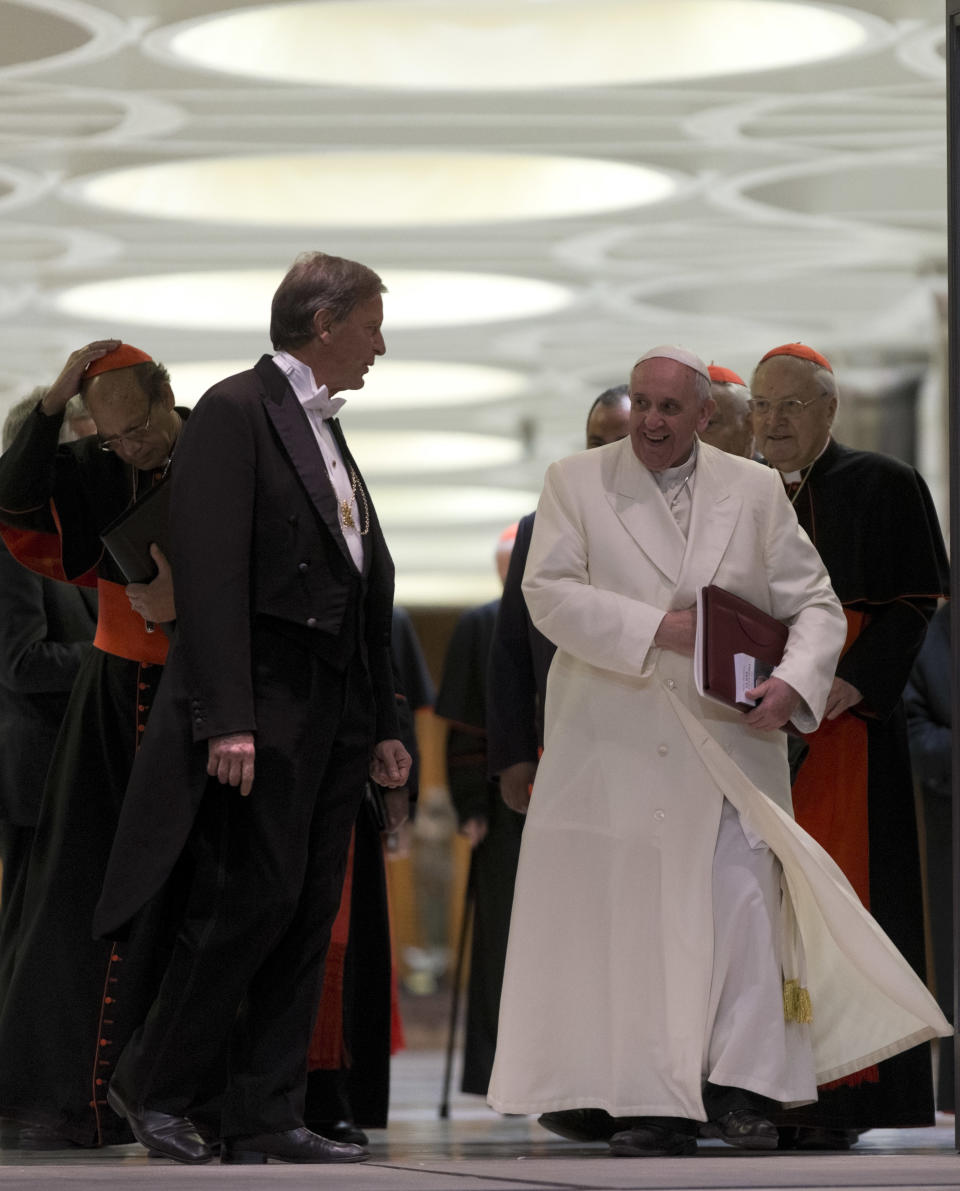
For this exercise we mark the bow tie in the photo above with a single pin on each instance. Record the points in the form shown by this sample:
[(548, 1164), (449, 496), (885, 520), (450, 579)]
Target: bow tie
[(326, 406)]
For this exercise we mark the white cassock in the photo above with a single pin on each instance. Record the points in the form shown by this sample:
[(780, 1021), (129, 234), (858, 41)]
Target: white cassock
[(607, 991)]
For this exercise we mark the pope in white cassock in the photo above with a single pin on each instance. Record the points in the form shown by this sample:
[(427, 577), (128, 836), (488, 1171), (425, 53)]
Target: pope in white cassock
[(680, 950)]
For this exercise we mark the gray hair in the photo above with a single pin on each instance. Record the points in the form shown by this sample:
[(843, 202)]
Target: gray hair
[(316, 281), (823, 376), (739, 394), (702, 386), (19, 413)]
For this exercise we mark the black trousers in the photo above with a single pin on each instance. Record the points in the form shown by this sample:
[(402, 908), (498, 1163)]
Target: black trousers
[(244, 978)]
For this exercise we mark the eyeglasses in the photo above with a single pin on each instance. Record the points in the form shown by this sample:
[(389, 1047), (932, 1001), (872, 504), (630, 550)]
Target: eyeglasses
[(791, 407), (136, 435)]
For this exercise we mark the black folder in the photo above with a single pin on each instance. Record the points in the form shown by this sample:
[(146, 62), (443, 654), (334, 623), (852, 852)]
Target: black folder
[(129, 536)]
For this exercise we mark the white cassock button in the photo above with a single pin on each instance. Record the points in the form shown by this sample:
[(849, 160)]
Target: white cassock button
[(671, 685), (659, 815), (662, 749)]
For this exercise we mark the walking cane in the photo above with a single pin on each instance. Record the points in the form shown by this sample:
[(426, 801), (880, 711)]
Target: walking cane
[(468, 900)]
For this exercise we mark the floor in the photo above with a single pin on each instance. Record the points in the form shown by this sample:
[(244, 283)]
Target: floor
[(476, 1150)]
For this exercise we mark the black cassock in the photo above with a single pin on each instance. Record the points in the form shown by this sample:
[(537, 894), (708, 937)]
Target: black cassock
[(873, 521), (929, 722), (493, 863), (68, 1003)]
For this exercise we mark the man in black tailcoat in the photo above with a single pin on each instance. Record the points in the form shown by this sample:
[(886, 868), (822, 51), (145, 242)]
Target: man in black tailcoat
[(277, 705)]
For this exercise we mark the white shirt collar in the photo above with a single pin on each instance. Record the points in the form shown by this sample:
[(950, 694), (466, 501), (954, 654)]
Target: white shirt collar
[(308, 392)]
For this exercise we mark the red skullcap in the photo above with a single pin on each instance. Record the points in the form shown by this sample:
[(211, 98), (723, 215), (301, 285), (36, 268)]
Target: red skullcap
[(801, 351), (724, 376), (123, 356), (509, 534)]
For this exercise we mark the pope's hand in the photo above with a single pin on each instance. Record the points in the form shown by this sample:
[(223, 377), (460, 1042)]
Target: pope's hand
[(778, 702), (678, 631), (230, 760)]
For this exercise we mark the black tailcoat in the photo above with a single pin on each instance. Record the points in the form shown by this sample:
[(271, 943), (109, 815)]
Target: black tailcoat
[(256, 536), (280, 635)]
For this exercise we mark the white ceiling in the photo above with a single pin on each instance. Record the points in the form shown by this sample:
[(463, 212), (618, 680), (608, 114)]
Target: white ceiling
[(810, 205)]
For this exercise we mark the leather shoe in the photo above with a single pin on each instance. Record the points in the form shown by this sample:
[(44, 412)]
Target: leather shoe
[(340, 1131), (582, 1124), (813, 1137), (744, 1127), (294, 1145), (164, 1135), (650, 1140)]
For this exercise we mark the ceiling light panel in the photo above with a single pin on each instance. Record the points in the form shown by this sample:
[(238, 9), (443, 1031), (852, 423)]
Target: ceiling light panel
[(406, 507), (239, 300), (522, 45), (419, 452), (392, 385), (381, 189)]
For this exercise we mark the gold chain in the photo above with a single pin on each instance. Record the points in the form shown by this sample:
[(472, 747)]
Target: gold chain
[(357, 494)]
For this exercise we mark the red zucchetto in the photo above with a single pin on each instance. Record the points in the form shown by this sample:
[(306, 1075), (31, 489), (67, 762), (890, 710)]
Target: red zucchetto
[(801, 351), (123, 356), (724, 376)]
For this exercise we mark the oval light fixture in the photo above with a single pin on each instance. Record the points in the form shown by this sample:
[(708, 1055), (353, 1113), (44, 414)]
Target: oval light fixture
[(391, 385), (347, 189), (521, 45), (403, 506), (239, 300), (419, 452)]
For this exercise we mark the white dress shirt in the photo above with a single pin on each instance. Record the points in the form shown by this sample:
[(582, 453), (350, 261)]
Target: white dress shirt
[(301, 380)]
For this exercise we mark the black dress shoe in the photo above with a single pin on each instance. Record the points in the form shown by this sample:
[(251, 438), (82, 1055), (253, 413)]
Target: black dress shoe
[(744, 1127), (650, 1140), (164, 1135), (294, 1145), (814, 1137), (340, 1131), (582, 1124)]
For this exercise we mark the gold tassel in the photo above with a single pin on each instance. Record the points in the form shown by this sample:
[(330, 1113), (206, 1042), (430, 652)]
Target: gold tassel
[(797, 1005)]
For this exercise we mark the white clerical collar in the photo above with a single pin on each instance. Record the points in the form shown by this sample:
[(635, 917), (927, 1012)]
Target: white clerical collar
[(676, 477), (794, 477), (308, 392)]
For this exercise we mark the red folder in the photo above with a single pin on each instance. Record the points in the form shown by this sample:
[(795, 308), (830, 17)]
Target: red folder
[(728, 625)]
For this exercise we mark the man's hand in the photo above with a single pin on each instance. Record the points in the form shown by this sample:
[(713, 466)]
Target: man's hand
[(678, 631), (67, 384), (154, 600), (396, 808), (475, 829), (230, 760), (843, 695), (779, 702), (390, 764), (515, 783)]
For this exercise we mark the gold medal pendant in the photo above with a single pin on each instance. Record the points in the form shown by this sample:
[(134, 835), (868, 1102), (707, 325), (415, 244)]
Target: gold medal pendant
[(346, 514)]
